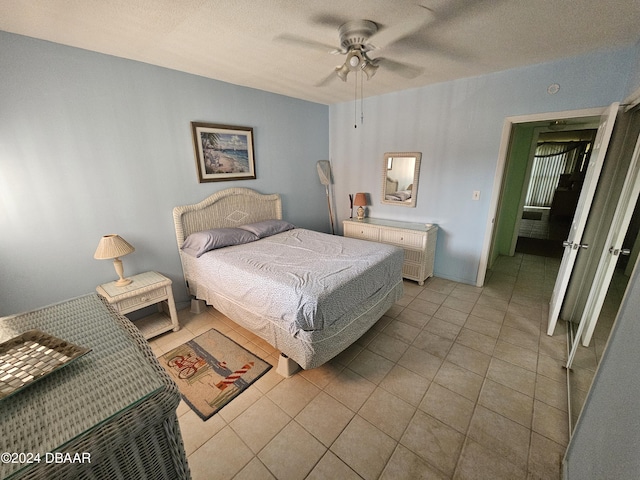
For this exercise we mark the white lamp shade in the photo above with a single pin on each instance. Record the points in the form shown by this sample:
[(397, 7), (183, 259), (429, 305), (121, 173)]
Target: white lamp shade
[(112, 246)]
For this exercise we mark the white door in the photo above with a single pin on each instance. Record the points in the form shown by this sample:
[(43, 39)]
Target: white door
[(615, 237), (572, 244)]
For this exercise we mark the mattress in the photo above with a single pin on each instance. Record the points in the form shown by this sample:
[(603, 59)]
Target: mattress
[(301, 280)]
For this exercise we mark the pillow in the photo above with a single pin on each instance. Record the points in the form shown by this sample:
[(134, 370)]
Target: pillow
[(201, 242), (267, 227)]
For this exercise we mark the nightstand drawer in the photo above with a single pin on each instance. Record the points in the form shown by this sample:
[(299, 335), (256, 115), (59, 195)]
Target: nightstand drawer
[(145, 298)]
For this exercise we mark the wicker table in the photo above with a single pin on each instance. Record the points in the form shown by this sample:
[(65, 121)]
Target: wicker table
[(112, 410)]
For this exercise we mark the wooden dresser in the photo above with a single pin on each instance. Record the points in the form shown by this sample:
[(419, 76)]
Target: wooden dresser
[(417, 239)]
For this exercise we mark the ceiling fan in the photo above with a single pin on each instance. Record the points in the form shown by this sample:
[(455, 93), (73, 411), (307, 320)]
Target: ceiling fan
[(356, 43)]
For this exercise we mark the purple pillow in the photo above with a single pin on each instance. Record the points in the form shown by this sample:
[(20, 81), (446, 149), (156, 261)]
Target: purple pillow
[(267, 227), (201, 242)]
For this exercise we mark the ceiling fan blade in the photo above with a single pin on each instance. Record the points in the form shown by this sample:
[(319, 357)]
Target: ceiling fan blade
[(308, 43), (403, 69), (386, 36), (327, 80)]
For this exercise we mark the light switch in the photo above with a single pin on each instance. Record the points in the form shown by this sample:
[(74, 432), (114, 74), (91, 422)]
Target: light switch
[(476, 195)]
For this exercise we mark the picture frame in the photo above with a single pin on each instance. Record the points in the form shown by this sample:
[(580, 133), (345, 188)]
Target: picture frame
[(223, 152)]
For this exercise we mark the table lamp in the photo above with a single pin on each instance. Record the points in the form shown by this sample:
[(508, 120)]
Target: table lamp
[(114, 246), (360, 201)]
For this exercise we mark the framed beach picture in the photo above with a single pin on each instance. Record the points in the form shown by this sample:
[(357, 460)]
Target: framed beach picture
[(223, 152)]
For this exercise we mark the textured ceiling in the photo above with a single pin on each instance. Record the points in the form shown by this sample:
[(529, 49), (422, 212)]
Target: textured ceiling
[(250, 42)]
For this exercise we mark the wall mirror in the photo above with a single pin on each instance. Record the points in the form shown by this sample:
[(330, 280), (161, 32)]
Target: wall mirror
[(400, 173)]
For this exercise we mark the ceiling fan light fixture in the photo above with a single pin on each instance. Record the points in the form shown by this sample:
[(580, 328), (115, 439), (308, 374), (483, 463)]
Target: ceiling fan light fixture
[(369, 69), (343, 71)]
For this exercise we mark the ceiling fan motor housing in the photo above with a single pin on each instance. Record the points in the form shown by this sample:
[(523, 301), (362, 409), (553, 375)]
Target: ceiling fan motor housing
[(356, 33)]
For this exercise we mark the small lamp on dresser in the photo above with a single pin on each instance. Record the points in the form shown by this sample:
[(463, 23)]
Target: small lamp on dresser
[(114, 246), (360, 201)]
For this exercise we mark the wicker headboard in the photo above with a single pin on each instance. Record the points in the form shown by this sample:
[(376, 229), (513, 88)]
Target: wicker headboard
[(227, 208)]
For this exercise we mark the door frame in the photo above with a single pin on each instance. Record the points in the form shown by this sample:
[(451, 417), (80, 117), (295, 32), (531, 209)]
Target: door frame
[(503, 159)]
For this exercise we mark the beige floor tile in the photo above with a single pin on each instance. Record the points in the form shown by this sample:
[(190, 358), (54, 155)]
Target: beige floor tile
[(389, 347), (551, 422), (423, 363), (432, 343), (418, 312), (551, 392), (434, 442), (331, 467), (478, 462), (402, 331), (443, 328), (405, 464), (432, 296), (469, 358), (457, 316), (350, 389), (519, 338), (405, 384), (459, 380), (545, 458), (293, 394), (387, 412), (514, 354), (483, 326), (373, 452), (507, 402), (314, 418), (260, 423), (292, 453), (497, 433), (448, 407), (476, 340), (196, 432), (254, 470), (220, 458), (371, 366), (458, 304), (512, 376)]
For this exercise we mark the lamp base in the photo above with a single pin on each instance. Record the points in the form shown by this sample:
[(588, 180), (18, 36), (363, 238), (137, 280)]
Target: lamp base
[(360, 213), (123, 282)]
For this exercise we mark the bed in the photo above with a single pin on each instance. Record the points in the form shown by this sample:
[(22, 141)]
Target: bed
[(308, 294)]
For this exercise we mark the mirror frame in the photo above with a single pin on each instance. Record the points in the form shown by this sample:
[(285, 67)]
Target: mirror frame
[(416, 176)]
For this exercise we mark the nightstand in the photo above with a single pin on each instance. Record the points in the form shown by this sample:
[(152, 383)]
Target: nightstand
[(145, 289)]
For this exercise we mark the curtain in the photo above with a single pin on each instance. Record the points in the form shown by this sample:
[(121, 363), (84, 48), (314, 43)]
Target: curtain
[(551, 160)]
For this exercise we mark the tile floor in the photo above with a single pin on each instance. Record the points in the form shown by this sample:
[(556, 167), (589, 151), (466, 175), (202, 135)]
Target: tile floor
[(454, 381)]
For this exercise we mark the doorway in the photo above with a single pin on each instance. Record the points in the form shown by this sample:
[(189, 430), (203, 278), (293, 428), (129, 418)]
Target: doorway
[(517, 152), (557, 171)]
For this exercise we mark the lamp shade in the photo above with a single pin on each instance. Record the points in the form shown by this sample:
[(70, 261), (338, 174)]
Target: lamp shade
[(112, 246), (360, 200)]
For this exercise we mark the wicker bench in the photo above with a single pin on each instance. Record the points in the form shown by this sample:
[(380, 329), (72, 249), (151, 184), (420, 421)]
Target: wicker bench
[(110, 414)]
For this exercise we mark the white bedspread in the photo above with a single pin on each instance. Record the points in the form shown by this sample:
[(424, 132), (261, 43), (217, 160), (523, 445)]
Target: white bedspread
[(303, 279)]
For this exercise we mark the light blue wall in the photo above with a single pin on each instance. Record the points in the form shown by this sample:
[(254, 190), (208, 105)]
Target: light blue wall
[(92, 144), (457, 126)]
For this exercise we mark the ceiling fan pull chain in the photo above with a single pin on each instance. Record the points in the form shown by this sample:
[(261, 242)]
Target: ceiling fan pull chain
[(361, 99), (355, 103)]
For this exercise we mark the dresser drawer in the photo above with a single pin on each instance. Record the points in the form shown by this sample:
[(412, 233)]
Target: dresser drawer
[(362, 231), (133, 303), (403, 238)]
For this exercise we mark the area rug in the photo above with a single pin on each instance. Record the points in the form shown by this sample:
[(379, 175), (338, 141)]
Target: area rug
[(211, 370)]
